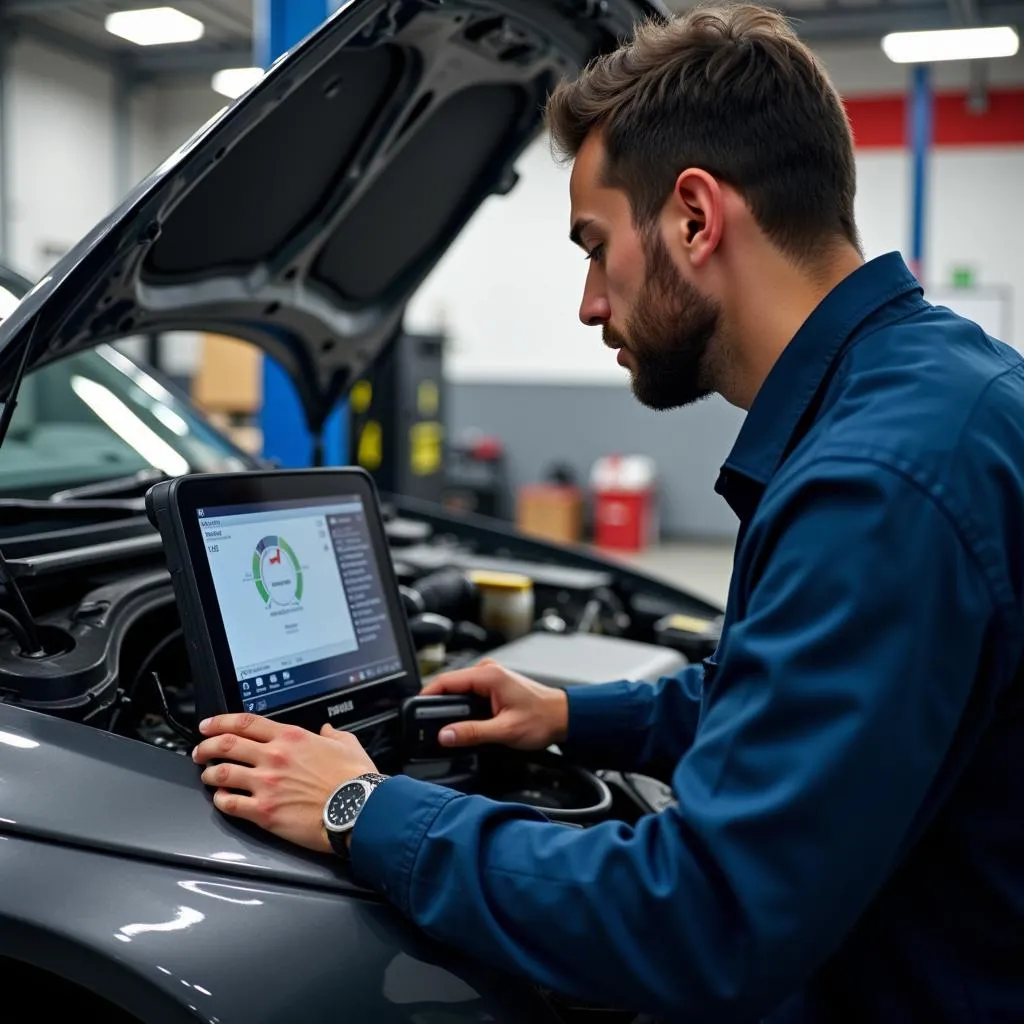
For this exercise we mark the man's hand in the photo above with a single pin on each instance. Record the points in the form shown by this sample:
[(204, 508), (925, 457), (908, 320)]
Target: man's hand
[(288, 772), (527, 715)]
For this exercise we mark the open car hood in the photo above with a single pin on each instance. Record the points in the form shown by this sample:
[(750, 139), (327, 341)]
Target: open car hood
[(306, 214)]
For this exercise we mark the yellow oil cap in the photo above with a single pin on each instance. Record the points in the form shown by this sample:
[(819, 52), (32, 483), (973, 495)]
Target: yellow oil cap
[(500, 580)]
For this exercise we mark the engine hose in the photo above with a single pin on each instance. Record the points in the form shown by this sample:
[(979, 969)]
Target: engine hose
[(147, 662)]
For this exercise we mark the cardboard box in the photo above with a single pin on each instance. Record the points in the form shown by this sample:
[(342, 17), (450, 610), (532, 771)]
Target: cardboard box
[(248, 436), (229, 377), (550, 512)]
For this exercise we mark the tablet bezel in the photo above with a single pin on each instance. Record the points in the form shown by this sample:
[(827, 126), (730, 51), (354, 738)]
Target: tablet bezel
[(345, 707)]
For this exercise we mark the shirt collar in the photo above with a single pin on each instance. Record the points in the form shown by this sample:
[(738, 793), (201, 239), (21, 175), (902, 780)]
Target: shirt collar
[(798, 373)]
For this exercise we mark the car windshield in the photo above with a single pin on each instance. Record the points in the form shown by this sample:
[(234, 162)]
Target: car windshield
[(98, 415)]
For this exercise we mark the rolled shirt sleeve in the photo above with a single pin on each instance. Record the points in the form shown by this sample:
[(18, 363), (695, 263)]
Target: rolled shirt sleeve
[(836, 695)]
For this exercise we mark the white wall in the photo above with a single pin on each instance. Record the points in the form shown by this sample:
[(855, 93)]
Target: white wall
[(178, 112), (62, 156), (146, 145), (62, 134), (62, 131)]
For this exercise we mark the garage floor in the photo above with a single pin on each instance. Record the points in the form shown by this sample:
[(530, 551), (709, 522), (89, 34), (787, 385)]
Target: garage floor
[(703, 568)]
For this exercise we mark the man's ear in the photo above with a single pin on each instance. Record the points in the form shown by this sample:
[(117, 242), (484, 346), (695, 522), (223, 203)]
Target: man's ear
[(697, 210)]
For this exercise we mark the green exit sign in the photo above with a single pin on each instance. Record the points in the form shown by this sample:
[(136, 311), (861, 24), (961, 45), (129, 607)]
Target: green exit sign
[(963, 277)]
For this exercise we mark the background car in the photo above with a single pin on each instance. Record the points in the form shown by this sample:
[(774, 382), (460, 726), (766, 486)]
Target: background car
[(101, 418)]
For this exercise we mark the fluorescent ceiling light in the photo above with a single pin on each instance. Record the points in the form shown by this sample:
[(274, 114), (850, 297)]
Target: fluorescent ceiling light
[(232, 82), (950, 44), (154, 26)]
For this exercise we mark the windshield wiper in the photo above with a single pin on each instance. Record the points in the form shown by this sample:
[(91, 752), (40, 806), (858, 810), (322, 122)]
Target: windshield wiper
[(139, 482)]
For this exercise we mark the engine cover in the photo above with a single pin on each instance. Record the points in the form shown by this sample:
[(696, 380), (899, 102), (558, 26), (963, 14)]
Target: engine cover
[(562, 660)]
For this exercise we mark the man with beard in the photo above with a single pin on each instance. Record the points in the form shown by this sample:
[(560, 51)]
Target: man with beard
[(848, 842)]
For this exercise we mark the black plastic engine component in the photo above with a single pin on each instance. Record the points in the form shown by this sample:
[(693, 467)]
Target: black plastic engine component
[(429, 558), (559, 789), (406, 532), (550, 622), (78, 678), (693, 637), (429, 629), (404, 574), (468, 636), (157, 733), (446, 592)]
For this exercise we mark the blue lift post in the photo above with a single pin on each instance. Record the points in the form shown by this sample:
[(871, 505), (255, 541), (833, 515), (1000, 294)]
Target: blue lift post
[(278, 26), (919, 131)]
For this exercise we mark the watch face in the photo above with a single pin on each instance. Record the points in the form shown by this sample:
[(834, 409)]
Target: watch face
[(344, 807)]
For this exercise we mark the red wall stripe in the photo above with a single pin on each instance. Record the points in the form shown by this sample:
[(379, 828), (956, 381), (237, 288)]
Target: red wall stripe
[(880, 121)]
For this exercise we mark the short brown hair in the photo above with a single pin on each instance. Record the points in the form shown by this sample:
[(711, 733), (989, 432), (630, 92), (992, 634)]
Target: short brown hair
[(732, 90)]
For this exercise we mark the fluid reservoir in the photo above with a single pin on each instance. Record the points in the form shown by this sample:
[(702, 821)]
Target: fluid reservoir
[(506, 601)]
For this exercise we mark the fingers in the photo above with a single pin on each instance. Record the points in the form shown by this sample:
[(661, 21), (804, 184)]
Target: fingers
[(238, 806), (254, 727), (472, 733), (229, 745), (230, 776), (481, 679)]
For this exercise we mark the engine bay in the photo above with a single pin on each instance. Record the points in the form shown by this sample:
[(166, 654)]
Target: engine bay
[(117, 658)]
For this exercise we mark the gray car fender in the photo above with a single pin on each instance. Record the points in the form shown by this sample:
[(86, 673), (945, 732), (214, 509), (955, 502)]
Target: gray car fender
[(170, 945)]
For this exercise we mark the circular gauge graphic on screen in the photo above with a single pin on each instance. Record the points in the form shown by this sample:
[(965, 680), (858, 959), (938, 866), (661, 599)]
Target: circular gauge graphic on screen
[(277, 573)]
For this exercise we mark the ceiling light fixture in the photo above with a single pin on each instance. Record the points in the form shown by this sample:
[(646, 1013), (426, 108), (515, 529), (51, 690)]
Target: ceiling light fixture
[(154, 26), (950, 44), (232, 82)]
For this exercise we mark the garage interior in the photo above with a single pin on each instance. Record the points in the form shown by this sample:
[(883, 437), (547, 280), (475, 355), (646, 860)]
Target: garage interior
[(181, 624), (496, 400)]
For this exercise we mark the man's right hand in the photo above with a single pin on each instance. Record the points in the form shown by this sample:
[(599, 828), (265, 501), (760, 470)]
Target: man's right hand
[(527, 715)]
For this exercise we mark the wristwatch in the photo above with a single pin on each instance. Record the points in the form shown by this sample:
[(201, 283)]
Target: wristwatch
[(343, 807)]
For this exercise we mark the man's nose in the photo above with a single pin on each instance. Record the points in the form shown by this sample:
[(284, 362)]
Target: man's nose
[(595, 309)]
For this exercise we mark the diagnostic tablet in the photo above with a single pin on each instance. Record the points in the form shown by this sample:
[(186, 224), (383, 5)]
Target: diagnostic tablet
[(288, 599)]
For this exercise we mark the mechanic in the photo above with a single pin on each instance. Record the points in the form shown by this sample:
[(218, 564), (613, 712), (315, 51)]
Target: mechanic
[(849, 839)]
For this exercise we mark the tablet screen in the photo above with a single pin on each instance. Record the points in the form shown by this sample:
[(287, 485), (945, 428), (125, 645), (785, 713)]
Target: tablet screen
[(300, 594)]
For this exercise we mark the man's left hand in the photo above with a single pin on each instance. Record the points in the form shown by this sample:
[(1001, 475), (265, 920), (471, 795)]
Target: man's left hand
[(287, 771)]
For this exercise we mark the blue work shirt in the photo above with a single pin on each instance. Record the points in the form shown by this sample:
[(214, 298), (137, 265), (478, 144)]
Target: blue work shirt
[(848, 843)]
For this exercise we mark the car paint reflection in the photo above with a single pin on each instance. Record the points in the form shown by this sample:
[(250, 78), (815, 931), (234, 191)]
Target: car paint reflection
[(12, 739), (202, 889), (185, 918)]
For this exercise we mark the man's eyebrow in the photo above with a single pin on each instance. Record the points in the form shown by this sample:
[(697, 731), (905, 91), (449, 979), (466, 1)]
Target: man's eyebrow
[(576, 234)]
